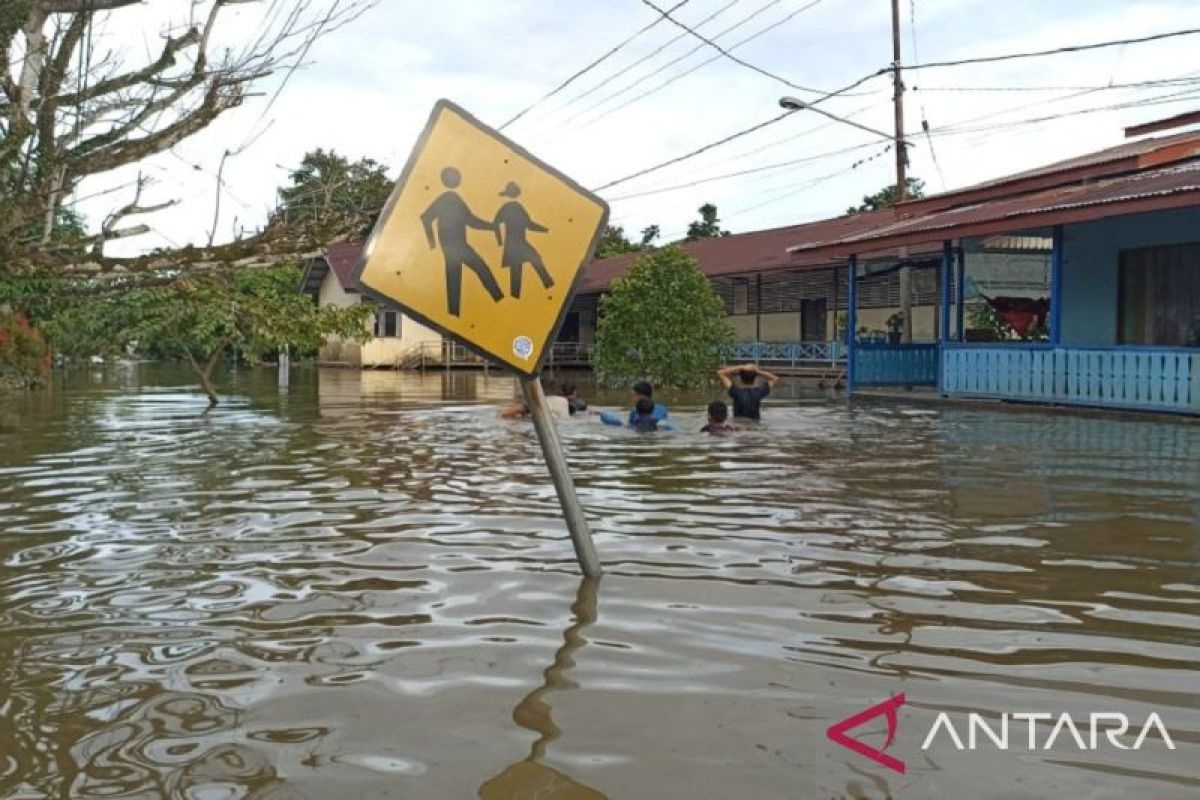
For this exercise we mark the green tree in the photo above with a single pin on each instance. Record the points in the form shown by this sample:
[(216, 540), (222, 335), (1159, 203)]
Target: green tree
[(327, 186), (198, 319), (886, 197), (662, 322), (707, 227), (614, 242)]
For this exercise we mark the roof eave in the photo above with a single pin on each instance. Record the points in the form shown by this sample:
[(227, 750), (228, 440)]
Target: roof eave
[(1009, 224)]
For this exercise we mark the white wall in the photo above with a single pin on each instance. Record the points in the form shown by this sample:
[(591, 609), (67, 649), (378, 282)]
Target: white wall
[(377, 352), (336, 349)]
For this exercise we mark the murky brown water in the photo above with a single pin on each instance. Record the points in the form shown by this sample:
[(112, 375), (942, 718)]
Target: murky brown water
[(361, 590)]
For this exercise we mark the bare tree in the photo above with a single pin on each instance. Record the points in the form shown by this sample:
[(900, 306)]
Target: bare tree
[(68, 114)]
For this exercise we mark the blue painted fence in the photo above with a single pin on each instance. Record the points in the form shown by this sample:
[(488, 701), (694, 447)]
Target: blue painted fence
[(896, 364), (1144, 378)]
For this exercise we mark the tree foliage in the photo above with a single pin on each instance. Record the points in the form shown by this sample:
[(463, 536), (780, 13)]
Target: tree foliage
[(662, 322), (198, 318), (328, 184), (24, 354), (614, 242), (72, 110), (886, 197), (708, 226)]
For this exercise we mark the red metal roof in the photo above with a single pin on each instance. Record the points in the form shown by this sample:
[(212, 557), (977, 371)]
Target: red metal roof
[(343, 258), (745, 253), (1123, 158), (1150, 190)]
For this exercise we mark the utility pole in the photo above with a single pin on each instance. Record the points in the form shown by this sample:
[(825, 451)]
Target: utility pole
[(905, 275)]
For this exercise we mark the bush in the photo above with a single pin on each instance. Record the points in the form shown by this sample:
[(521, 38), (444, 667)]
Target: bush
[(663, 323), (24, 354)]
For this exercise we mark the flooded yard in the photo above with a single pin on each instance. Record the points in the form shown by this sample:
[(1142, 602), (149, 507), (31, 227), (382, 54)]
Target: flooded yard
[(361, 588)]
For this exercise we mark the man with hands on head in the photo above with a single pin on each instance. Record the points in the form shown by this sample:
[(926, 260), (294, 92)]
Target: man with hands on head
[(745, 389)]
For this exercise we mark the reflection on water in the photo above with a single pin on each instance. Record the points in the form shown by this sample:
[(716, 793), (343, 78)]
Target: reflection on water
[(530, 777), (354, 588)]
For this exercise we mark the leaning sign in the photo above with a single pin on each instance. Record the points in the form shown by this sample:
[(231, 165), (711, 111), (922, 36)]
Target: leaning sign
[(482, 241), (485, 243)]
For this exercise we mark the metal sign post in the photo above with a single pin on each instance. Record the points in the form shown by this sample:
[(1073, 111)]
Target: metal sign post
[(485, 243), (556, 461)]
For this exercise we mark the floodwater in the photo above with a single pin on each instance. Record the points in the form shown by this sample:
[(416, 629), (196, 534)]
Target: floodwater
[(361, 589)]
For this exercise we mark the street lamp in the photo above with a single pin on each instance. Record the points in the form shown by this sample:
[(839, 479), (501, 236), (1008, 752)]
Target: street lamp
[(796, 104)]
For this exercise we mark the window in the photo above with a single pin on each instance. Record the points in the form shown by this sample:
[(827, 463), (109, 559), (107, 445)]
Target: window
[(741, 296), (387, 324), (1159, 300), (569, 332)]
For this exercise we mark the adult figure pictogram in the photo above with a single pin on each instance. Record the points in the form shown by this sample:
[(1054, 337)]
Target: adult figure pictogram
[(453, 217), (512, 223)]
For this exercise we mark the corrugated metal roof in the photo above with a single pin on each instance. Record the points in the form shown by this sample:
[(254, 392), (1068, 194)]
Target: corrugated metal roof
[(747, 253), (1167, 187), (343, 258), (1121, 152)]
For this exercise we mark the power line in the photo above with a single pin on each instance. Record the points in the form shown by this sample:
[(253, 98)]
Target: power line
[(638, 81), (580, 73), (740, 173), (885, 70), (788, 191), (912, 31), (1078, 48), (647, 56), (702, 64), (734, 58), (1058, 99), (694, 153), (794, 137), (1089, 88), (1177, 97)]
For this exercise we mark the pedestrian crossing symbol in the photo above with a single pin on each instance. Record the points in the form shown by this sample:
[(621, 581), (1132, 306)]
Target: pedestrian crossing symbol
[(482, 241)]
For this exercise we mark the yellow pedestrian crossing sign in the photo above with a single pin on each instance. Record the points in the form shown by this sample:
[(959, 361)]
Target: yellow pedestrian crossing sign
[(482, 241)]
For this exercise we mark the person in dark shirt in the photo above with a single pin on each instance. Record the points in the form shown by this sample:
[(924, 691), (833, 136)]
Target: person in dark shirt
[(745, 390), (718, 419), (644, 420), (575, 403)]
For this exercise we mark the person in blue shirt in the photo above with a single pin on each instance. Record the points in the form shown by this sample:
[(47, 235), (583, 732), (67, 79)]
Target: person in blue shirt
[(641, 390)]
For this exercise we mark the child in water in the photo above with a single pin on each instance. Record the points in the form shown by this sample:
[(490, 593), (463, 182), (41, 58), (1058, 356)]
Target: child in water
[(718, 416), (644, 420)]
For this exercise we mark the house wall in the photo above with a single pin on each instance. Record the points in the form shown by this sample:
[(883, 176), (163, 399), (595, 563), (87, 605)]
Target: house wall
[(1091, 267), (392, 351), (336, 349), (376, 352)]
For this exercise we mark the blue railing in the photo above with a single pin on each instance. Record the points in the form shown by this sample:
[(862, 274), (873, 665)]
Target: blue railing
[(896, 364), (1146, 378), (792, 353)]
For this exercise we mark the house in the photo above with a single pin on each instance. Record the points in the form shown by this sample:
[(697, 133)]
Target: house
[(782, 306), (396, 341), (1121, 231)]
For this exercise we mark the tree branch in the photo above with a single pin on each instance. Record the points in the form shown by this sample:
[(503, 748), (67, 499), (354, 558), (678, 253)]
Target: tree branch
[(79, 6)]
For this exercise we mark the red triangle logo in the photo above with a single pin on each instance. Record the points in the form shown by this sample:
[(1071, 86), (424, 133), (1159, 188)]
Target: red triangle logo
[(837, 733)]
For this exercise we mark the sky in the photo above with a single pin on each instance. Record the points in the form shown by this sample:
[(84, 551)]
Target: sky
[(367, 90)]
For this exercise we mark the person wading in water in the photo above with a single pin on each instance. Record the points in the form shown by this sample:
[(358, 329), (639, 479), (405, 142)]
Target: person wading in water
[(518, 252), (452, 216)]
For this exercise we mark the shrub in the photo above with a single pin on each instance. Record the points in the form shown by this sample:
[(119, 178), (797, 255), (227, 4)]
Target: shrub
[(24, 354)]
